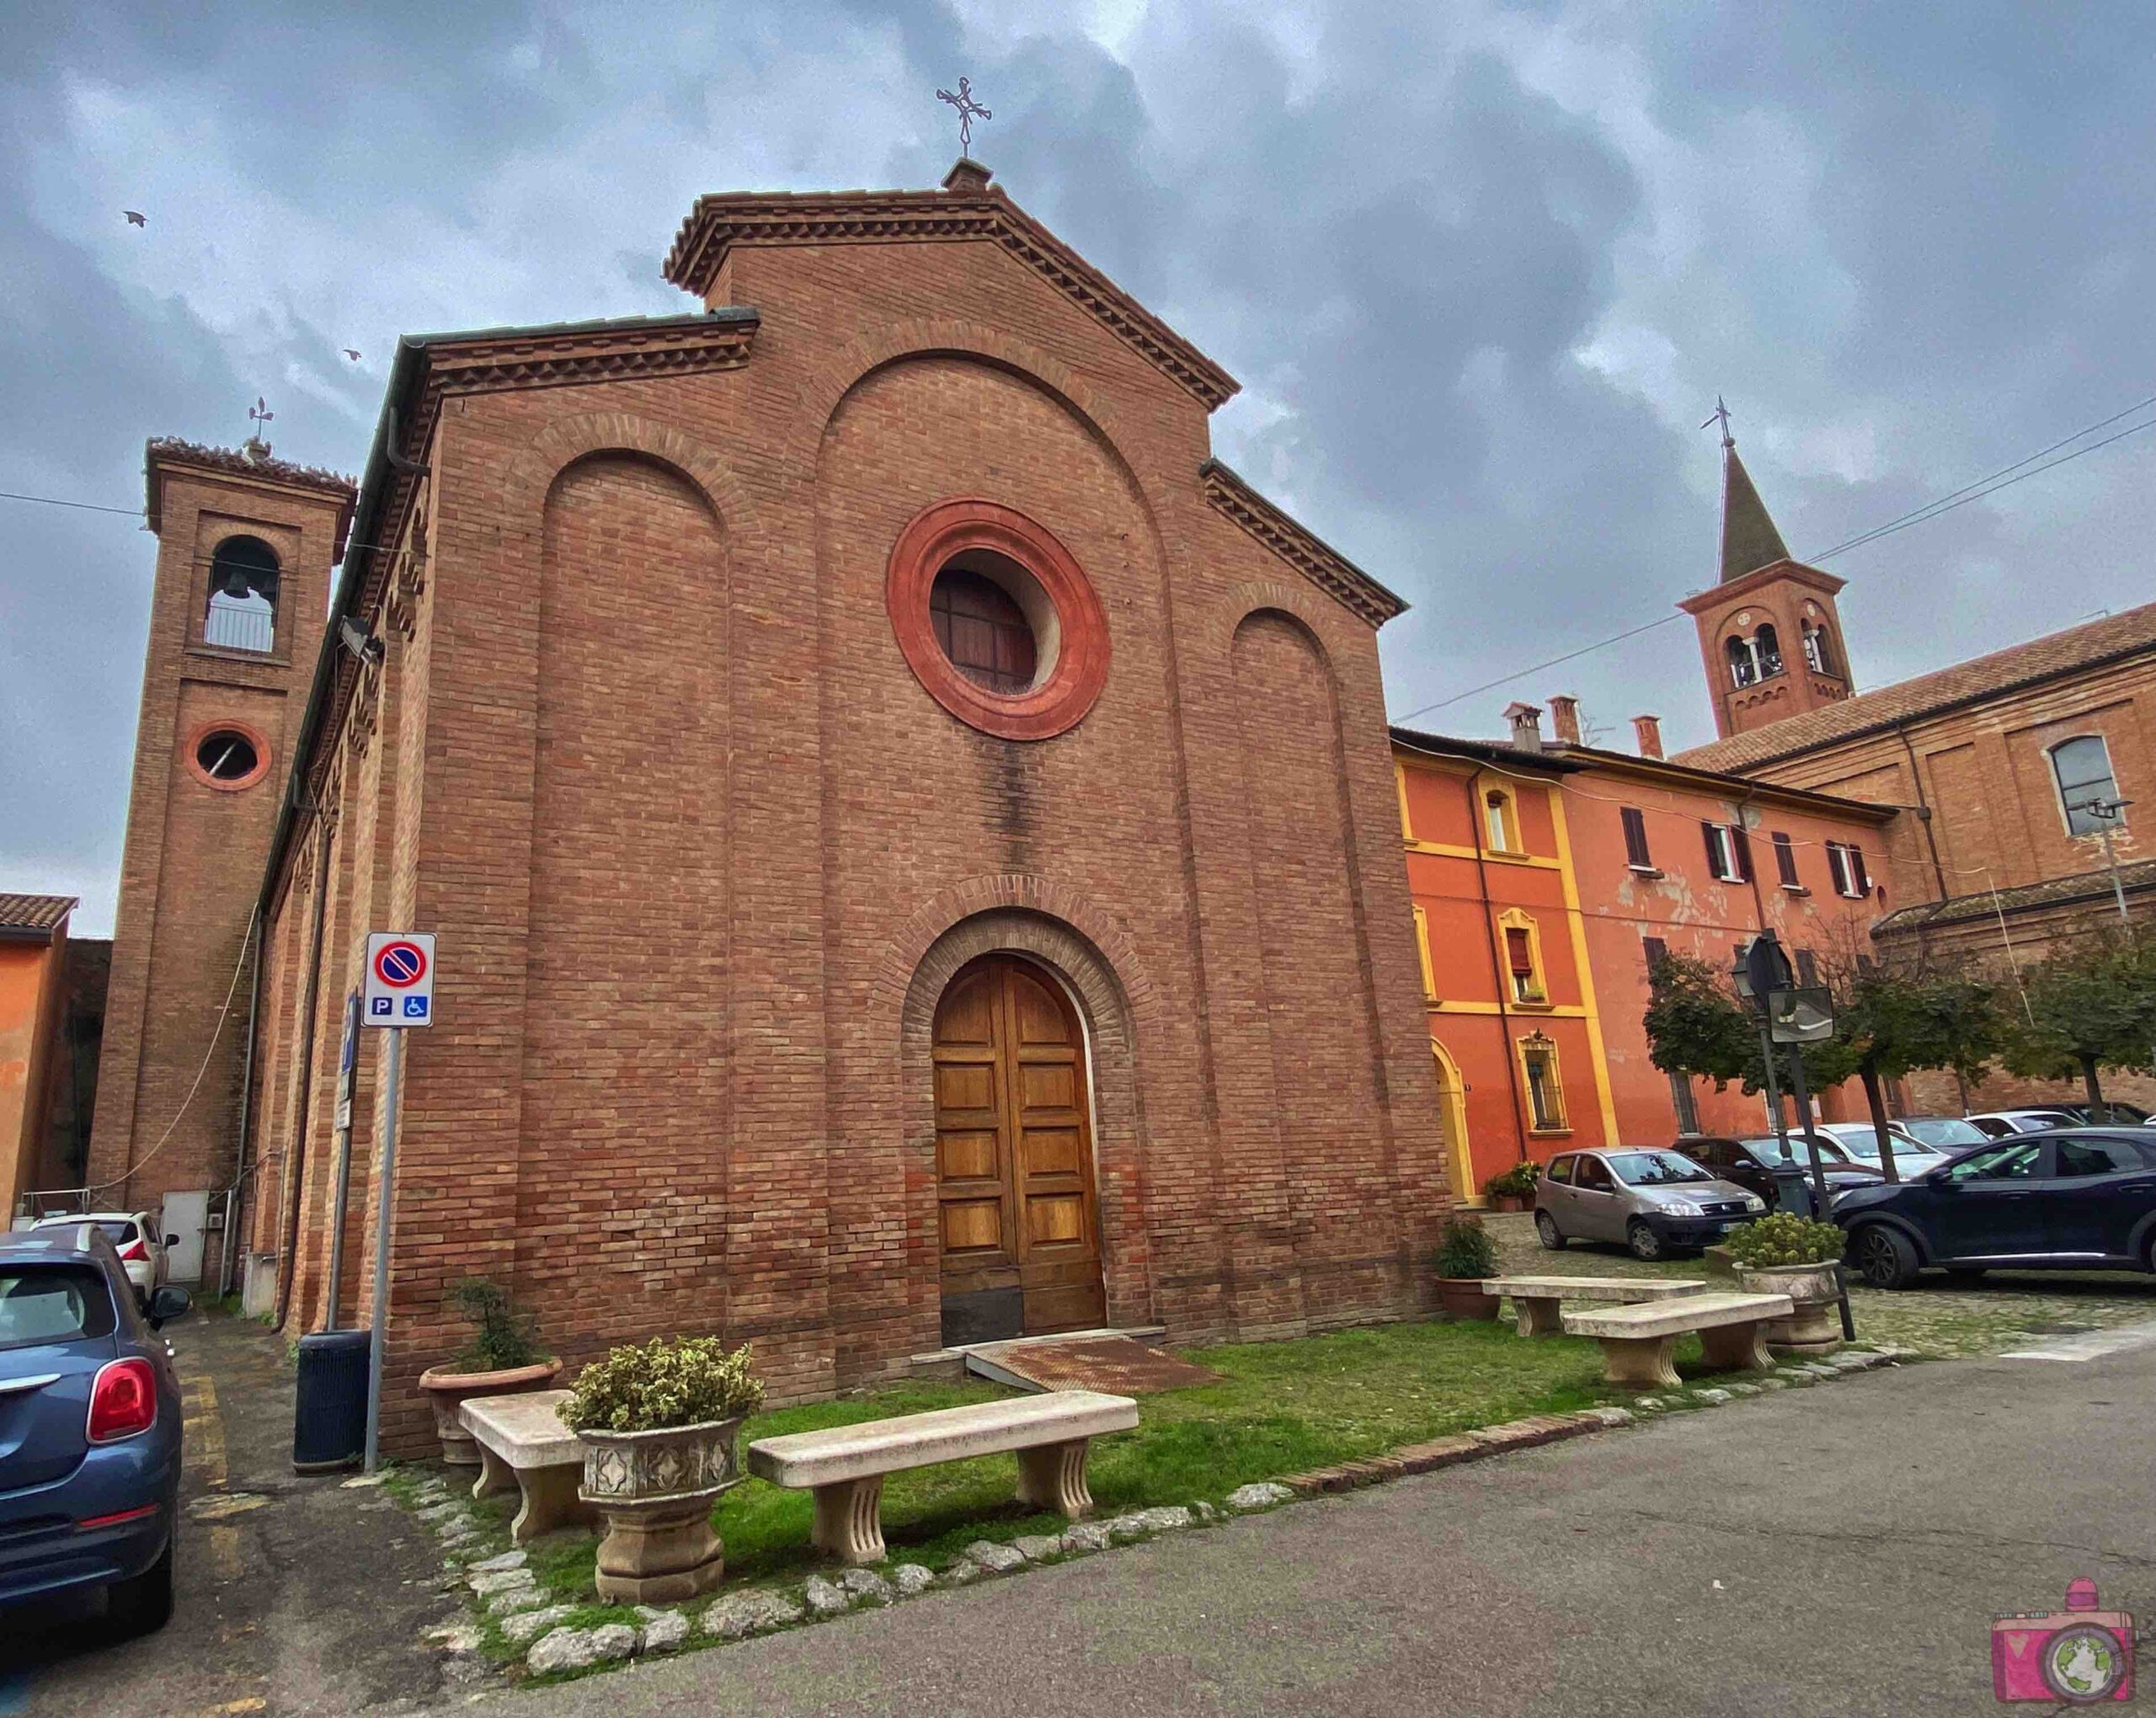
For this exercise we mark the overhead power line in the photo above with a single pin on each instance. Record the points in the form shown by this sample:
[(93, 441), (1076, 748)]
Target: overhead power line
[(86, 506)]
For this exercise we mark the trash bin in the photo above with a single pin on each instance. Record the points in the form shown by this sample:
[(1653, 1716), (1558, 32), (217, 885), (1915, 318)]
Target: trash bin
[(329, 1417)]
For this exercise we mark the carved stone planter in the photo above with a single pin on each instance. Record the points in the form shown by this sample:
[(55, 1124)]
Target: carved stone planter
[(448, 1390), (655, 1490), (1815, 1327)]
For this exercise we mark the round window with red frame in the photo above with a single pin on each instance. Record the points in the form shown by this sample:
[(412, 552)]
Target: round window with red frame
[(996, 620)]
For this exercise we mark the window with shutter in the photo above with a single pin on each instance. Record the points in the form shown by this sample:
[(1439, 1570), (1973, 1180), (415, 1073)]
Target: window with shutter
[(1859, 878), (1657, 950), (1740, 852), (1635, 838), (1837, 867), (1785, 861)]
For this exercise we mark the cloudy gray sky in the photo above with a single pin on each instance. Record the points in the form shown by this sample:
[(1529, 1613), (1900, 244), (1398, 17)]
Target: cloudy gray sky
[(1482, 269)]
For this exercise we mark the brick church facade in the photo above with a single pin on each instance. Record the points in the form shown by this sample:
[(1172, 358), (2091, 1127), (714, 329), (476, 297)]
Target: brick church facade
[(912, 840)]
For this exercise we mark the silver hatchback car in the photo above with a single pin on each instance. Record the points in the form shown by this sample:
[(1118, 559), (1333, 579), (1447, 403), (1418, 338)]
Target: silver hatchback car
[(1652, 1201)]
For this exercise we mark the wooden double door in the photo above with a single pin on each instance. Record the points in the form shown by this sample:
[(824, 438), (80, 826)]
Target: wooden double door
[(1016, 1202)]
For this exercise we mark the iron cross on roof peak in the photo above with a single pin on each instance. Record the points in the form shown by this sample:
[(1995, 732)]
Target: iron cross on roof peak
[(969, 111), (1720, 416)]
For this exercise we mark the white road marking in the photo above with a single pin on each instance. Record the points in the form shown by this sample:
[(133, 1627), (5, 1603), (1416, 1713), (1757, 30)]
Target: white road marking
[(2092, 1346)]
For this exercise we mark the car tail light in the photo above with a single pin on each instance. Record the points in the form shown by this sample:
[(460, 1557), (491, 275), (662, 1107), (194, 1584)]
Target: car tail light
[(135, 1250), (123, 1401)]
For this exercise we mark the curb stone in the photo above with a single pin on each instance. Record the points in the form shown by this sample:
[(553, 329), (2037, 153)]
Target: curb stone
[(743, 1614), (574, 1649), (1262, 1495), (986, 1554), (522, 1628), (1038, 1547), (912, 1579), (826, 1598), (867, 1584), (663, 1631), (1087, 1536)]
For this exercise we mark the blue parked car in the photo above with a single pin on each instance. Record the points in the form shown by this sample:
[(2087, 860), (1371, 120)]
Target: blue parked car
[(2069, 1199), (90, 1427)]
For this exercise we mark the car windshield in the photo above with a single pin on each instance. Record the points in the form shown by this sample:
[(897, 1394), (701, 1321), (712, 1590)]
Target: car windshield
[(1654, 1169), (43, 1303), (1861, 1143), (1770, 1152), (1944, 1132)]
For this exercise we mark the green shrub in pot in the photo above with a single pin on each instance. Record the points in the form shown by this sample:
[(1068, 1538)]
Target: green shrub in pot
[(1784, 1238), (1517, 1182), (1462, 1256)]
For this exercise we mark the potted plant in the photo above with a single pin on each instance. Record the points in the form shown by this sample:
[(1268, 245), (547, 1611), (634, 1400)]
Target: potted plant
[(1783, 1253), (1464, 1259), (502, 1358), (660, 1425), (1514, 1189)]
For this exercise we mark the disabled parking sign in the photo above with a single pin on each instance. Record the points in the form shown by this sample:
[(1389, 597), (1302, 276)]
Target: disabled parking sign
[(400, 987)]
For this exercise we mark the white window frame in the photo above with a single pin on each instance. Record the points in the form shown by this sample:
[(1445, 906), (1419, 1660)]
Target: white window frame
[(1725, 866), (1843, 872), (2118, 820)]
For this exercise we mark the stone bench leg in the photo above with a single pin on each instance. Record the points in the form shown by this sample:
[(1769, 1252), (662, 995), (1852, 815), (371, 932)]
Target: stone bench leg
[(1736, 1348), (1537, 1316), (1053, 1476), (1640, 1363), (550, 1500), (850, 1520), (495, 1476)]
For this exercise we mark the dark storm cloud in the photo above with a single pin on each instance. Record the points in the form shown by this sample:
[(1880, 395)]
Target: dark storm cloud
[(1482, 270)]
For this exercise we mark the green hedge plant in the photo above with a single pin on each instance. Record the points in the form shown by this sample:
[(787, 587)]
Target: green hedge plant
[(1464, 1249), (1517, 1182), (669, 1381), (1784, 1238)]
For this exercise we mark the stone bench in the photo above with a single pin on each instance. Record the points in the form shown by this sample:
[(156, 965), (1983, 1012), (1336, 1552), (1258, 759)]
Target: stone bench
[(845, 1466), (1639, 1343), (1534, 1299), (523, 1442)]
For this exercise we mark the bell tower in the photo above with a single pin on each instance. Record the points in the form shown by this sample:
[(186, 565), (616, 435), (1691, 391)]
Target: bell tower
[(1771, 636), (245, 546)]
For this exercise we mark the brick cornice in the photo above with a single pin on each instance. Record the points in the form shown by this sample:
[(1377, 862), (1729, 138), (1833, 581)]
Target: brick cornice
[(716, 224), (1317, 561)]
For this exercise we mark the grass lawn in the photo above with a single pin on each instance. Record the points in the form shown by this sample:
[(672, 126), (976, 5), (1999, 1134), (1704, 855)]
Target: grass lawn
[(1278, 1408)]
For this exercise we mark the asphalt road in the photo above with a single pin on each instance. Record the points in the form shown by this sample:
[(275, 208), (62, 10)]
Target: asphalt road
[(295, 1596), (1840, 1549)]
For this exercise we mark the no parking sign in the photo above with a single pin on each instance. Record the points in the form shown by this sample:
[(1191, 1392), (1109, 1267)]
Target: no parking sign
[(400, 989)]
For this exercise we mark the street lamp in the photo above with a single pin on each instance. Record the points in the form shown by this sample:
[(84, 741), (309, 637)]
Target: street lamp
[(2106, 813)]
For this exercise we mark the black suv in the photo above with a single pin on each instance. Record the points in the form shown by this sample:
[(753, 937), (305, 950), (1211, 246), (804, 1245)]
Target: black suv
[(2072, 1200)]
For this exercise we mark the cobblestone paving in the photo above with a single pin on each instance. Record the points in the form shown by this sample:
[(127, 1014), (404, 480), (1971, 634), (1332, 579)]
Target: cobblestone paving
[(1937, 1318)]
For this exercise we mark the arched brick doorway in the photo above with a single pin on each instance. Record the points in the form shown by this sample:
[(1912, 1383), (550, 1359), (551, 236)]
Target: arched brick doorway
[(1018, 1219)]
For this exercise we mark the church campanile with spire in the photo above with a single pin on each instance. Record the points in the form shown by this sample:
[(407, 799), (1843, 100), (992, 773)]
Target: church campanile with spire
[(1769, 635)]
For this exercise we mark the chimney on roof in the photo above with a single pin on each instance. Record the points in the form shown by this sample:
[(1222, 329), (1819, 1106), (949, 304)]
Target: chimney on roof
[(1527, 726), (1564, 717), (1648, 730)]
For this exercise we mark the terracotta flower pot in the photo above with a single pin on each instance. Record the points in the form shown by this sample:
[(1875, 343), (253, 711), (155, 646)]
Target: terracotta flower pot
[(449, 1388), (1464, 1297), (655, 1490), (1816, 1326)]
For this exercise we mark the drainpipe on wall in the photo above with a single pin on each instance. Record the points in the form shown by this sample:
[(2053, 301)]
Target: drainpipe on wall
[(1497, 965), (1924, 817), (234, 1194), (295, 1175)]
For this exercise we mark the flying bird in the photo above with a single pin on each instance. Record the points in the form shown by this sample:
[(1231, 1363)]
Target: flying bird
[(135, 218), (352, 353)]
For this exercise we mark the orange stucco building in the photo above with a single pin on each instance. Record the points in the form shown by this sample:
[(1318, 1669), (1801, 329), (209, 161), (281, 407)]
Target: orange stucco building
[(1547, 875), (33, 945)]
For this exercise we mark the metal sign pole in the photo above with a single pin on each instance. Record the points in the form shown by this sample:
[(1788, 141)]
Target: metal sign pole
[(392, 1082)]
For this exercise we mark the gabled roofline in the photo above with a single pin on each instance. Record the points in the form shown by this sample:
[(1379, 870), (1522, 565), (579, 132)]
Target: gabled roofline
[(1303, 549), (969, 210)]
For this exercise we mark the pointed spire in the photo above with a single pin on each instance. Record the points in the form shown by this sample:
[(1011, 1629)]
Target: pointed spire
[(1749, 540)]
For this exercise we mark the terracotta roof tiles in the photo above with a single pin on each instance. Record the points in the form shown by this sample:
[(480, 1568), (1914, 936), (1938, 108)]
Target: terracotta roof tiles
[(34, 913)]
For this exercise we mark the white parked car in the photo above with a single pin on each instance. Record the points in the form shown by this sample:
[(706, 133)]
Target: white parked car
[(1912, 1156), (2003, 1124), (141, 1242)]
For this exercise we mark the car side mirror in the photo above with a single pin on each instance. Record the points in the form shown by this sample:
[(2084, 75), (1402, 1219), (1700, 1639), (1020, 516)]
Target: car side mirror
[(168, 1302), (172, 1240)]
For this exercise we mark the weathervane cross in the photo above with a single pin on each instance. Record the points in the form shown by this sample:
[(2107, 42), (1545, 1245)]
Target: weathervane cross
[(1721, 416), (969, 111), (258, 413)]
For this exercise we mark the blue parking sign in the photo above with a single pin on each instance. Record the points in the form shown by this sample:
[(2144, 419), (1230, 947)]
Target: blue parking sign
[(416, 1007), (380, 1006)]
